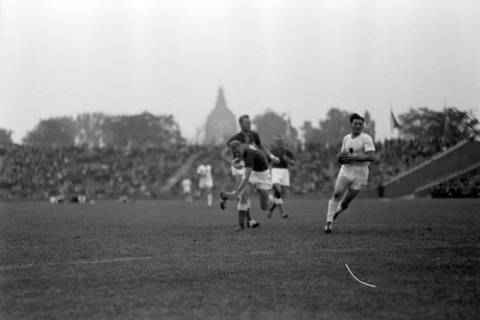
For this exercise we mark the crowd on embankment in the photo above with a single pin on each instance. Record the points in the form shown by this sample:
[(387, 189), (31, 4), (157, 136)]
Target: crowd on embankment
[(37, 173)]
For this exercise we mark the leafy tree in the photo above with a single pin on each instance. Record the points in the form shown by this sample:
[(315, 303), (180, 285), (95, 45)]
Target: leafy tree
[(369, 126), (142, 130), (311, 134), (448, 126), (5, 137), (90, 129), (53, 132), (334, 127), (269, 124)]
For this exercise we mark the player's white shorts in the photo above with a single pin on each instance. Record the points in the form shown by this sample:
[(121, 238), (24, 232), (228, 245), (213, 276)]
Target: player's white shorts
[(205, 183), (261, 180), (356, 176), (281, 176)]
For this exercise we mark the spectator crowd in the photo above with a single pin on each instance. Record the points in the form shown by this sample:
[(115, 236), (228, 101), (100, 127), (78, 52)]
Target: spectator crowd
[(37, 173), (30, 172)]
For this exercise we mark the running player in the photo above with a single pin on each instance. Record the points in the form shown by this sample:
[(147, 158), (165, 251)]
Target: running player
[(280, 174), (205, 181), (356, 153), (256, 176), (248, 137)]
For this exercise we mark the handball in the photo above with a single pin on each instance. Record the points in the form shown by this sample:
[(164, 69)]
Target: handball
[(238, 163), (342, 157)]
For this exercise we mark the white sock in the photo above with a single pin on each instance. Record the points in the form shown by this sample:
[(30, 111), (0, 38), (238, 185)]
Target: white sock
[(209, 199), (332, 208), (242, 207)]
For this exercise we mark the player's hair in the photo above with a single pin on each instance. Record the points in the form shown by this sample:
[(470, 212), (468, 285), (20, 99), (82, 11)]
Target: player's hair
[(356, 116), (234, 143), (245, 116)]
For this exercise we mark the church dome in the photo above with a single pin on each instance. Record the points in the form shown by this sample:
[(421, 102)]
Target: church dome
[(221, 122)]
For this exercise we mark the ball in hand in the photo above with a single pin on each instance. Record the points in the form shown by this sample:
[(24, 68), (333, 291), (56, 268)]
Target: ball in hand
[(343, 157), (237, 163)]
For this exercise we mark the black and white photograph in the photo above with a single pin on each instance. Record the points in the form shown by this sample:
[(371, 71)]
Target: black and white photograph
[(240, 159)]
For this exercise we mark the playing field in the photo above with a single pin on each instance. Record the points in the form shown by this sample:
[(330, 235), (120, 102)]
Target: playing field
[(175, 260)]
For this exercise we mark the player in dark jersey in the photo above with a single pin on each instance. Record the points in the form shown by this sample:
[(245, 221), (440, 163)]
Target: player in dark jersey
[(280, 174), (256, 176), (248, 137)]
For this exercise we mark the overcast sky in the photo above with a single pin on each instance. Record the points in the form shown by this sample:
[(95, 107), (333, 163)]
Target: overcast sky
[(302, 57)]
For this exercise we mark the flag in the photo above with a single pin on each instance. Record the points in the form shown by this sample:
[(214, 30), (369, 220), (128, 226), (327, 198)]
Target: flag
[(394, 124)]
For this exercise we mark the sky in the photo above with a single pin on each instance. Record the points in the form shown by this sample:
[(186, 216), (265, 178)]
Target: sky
[(299, 57)]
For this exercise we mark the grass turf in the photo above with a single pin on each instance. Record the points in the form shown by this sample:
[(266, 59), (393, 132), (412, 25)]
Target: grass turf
[(176, 260)]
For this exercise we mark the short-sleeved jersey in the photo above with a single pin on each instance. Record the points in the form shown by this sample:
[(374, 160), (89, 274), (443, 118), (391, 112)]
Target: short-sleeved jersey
[(250, 137), (205, 171), (361, 144), (255, 159), (279, 152)]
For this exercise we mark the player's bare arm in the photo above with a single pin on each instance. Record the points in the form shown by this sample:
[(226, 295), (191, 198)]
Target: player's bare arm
[(289, 160), (272, 157), (227, 157), (226, 154), (346, 157), (368, 156)]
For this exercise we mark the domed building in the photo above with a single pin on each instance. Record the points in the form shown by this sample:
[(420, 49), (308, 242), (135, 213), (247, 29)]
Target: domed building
[(221, 122)]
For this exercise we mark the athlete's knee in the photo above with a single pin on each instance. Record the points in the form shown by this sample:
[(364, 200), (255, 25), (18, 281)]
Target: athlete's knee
[(243, 198), (337, 195), (277, 193)]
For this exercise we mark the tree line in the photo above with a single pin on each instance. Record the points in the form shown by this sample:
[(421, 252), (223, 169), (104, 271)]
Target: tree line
[(450, 125)]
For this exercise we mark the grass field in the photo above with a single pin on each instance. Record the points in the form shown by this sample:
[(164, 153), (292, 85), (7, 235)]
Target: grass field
[(175, 260)]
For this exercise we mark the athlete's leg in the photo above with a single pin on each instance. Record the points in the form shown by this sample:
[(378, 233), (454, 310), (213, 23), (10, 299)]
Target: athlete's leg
[(266, 199), (283, 191), (244, 204), (277, 198), (359, 181), (209, 196), (341, 185), (346, 199), (238, 179)]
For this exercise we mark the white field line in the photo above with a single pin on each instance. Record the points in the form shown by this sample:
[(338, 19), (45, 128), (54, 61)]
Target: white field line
[(16, 266), (128, 259), (124, 259), (364, 283), (164, 256), (77, 262)]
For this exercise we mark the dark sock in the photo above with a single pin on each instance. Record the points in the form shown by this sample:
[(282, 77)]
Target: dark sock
[(272, 206), (241, 218), (247, 215)]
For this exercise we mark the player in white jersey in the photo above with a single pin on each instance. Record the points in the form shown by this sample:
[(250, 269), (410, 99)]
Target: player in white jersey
[(205, 181), (356, 153)]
